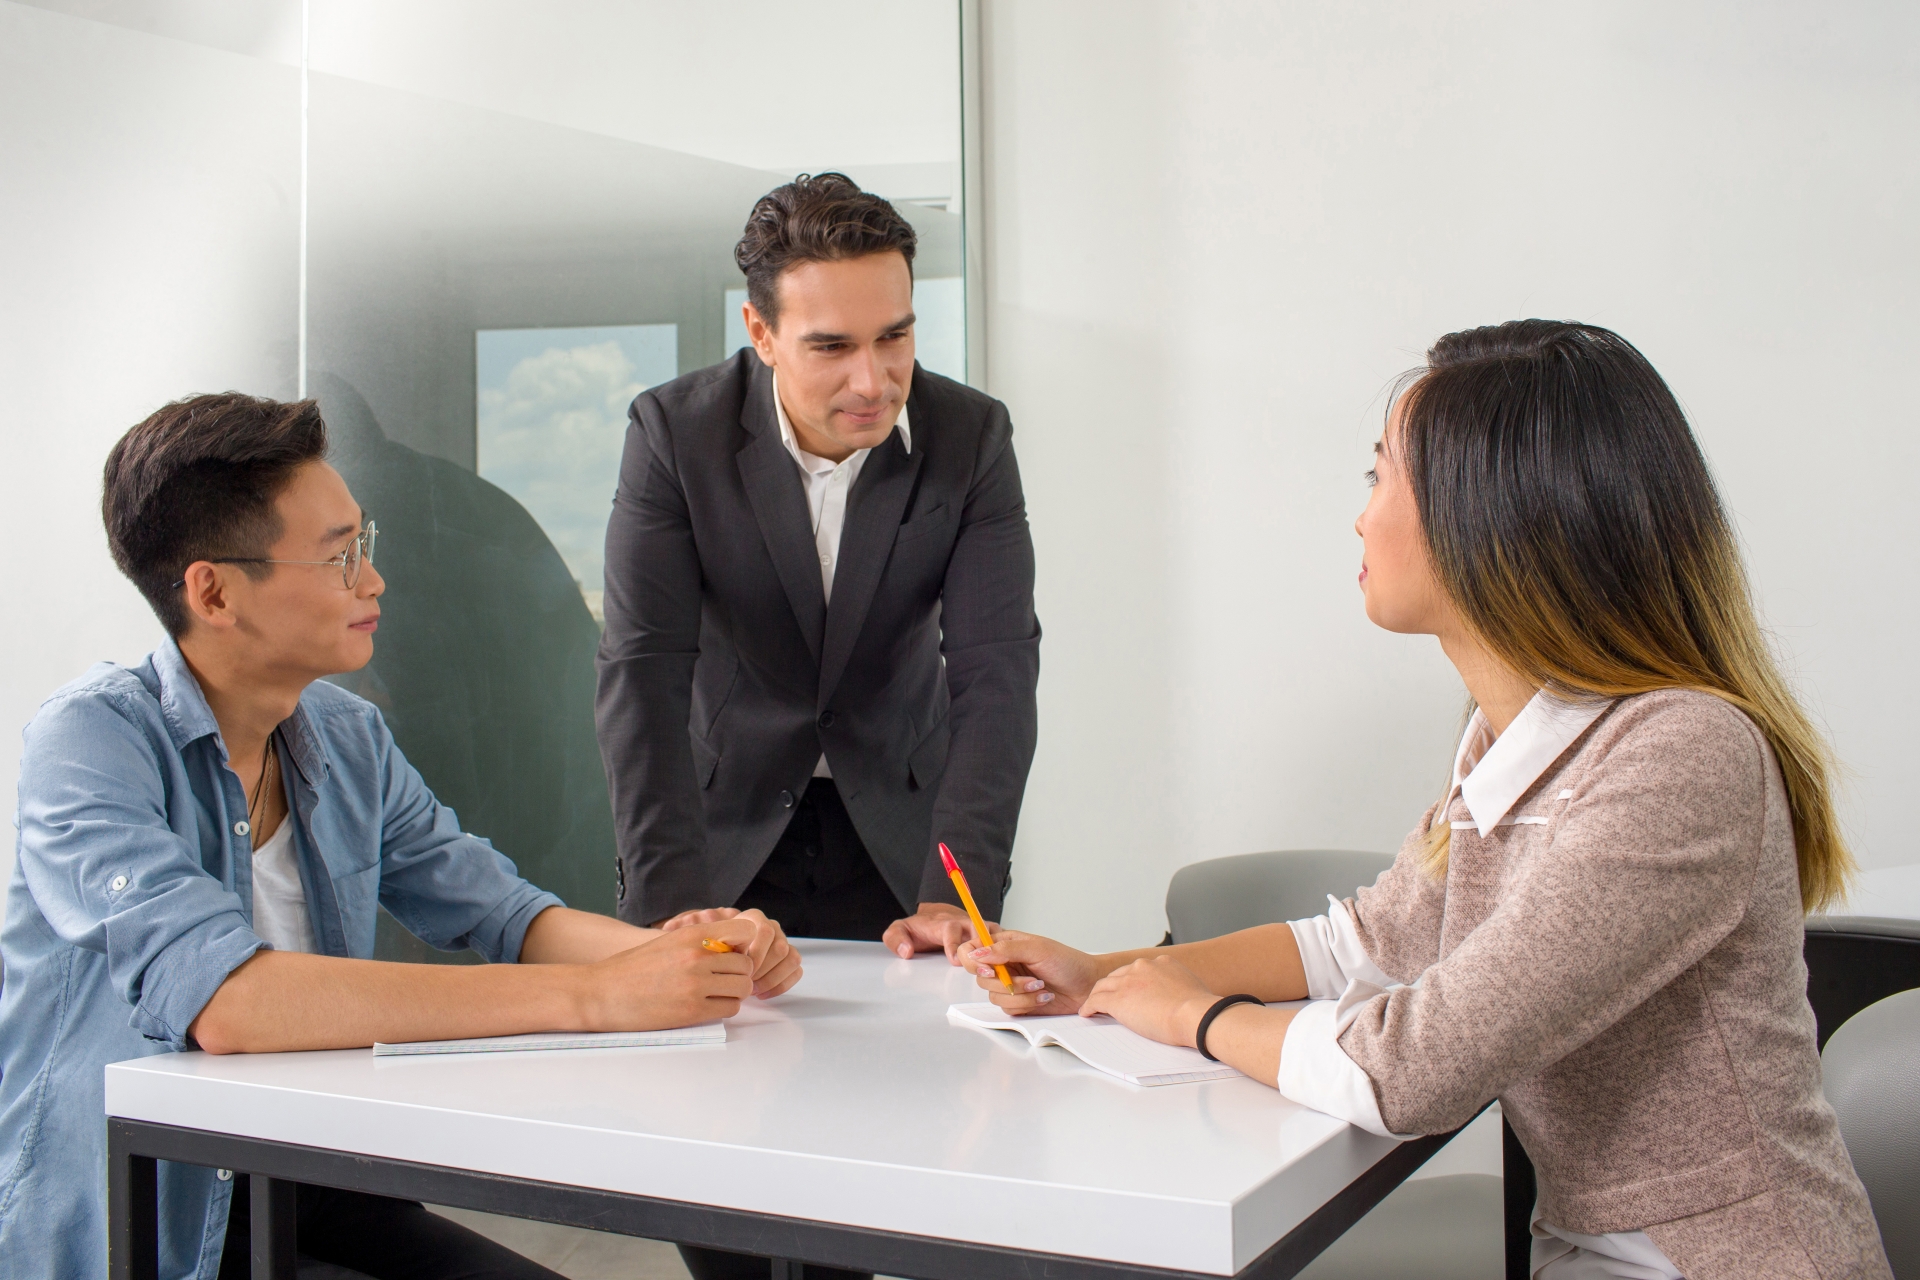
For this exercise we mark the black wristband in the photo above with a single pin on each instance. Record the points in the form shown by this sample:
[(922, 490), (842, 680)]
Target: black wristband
[(1220, 1006)]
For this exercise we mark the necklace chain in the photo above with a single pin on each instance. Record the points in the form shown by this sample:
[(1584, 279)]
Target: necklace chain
[(268, 759)]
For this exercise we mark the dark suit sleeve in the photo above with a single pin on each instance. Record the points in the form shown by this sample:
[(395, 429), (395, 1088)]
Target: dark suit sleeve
[(645, 665), (991, 641)]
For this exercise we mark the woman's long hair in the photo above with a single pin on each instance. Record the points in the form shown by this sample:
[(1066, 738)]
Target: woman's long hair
[(1571, 519)]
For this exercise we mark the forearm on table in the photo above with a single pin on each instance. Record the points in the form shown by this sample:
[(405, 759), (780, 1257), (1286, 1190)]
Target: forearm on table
[(561, 935), (286, 1000), (1249, 1038), (1263, 961)]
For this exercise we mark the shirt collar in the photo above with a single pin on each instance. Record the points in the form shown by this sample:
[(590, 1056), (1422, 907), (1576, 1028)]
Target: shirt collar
[(1491, 774), (793, 443), (183, 705)]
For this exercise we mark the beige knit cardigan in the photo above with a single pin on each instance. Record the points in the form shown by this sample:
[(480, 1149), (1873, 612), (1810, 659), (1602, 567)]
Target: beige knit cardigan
[(1627, 979)]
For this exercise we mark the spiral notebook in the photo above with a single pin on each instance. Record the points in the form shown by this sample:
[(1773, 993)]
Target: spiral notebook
[(705, 1033), (1100, 1042)]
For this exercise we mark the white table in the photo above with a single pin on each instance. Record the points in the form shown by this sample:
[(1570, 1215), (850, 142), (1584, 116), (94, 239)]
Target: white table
[(846, 1123)]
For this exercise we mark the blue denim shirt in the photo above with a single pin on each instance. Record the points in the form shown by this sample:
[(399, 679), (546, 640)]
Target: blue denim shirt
[(132, 900)]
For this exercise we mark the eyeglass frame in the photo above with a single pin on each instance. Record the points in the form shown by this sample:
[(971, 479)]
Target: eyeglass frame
[(357, 553)]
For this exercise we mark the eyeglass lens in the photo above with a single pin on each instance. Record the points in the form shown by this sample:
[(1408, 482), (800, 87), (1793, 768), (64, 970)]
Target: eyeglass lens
[(360, 551)]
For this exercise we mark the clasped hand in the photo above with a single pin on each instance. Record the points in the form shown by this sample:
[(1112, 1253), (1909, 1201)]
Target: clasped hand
[(674, 980)]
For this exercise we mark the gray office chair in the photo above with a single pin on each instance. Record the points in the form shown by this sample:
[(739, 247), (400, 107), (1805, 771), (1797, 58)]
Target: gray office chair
[(1854, 961), (1221, 895), (1440, 1228), (1871, 1067)]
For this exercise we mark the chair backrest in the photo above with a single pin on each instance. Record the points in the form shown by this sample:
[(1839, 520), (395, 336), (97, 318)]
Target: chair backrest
[(1852, 961), (1220, 895), (1871, 1067)]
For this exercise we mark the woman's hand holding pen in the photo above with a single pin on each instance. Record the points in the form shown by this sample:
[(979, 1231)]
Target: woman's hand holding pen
[(1053, 978)]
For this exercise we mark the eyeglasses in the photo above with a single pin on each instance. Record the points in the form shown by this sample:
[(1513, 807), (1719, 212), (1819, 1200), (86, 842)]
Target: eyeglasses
[(358, 552)]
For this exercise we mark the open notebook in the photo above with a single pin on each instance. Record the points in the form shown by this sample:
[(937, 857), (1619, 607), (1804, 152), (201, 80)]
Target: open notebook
[(1099, 1042), (705, 1033)]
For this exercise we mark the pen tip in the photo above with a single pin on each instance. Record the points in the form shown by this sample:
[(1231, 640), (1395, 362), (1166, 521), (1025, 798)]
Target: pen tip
[(946, 858)]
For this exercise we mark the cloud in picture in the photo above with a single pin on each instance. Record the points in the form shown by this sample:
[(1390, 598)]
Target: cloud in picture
[(551, 419)]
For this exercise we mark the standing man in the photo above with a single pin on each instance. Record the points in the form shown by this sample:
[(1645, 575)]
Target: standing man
[(820, 649)]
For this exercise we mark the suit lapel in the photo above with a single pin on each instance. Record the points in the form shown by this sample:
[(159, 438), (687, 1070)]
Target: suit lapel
[(773, 488), (866, 540)]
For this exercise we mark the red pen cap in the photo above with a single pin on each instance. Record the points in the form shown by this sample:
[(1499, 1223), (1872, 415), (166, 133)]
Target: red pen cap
[(946, 856)]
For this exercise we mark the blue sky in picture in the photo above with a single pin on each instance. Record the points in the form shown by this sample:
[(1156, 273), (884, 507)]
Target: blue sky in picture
[(551, 416)]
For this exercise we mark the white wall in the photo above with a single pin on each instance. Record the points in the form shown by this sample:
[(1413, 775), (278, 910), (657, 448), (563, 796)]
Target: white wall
[(148, 232), (1215, 232)]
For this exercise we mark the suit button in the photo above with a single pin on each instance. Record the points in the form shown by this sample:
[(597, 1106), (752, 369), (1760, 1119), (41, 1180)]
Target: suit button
[(826, 719), (786, 799)]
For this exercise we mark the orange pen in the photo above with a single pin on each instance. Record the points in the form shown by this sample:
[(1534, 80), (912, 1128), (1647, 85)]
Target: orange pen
[(715, 945), (959, 879)]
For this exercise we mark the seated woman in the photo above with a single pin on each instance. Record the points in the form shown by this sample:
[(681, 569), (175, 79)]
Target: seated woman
[(1600, 923)]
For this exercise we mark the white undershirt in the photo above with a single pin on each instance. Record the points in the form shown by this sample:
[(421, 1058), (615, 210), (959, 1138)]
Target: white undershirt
[(1490, 775), (279, 900), (827, 484)]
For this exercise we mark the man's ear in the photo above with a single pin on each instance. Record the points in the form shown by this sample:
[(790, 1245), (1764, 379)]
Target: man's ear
[(759, 333), (206, 595)]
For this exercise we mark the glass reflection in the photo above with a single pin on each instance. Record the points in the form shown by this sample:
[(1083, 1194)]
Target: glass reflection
[(496, 268), (484, 666), (551, 419)]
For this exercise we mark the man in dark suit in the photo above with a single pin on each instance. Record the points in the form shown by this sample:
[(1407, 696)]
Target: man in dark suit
[(820, 649)]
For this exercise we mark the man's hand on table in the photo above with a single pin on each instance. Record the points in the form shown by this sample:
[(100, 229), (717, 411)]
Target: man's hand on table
[(688, 919), (936, 926), (776, 963), (674, 980)]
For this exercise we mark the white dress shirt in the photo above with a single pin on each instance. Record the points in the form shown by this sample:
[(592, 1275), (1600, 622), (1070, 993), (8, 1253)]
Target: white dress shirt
[(827, 484), (1490, 774), (279, 900)]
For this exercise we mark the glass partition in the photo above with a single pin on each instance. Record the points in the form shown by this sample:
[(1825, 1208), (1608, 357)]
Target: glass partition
[(507, 242), (474, 230)]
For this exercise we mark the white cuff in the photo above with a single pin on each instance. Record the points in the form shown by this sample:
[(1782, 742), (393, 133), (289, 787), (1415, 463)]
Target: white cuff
[(1316, 1072), (1331, 953)]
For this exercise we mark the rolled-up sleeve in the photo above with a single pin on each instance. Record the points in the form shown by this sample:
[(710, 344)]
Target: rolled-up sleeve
[(452, 890), (111, 875), (1331, 953), (1314, 1070)]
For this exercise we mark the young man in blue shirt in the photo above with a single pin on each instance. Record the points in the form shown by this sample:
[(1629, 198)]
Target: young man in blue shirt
[(203, 840)]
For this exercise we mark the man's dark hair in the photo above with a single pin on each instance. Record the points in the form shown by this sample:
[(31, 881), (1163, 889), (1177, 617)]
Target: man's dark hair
[(819, 217), (197, 481)]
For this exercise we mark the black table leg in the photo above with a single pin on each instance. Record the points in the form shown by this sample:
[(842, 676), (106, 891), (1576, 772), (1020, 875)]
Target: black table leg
[(275, 1229), (133, 1210), (785, 1269), (1517, 1174)]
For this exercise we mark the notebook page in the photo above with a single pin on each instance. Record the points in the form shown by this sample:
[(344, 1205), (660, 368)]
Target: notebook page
[(1104, 1043), (705, 1033), (1100, 1042)]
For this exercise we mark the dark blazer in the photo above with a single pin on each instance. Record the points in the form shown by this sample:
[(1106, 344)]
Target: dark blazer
[(723, 673)]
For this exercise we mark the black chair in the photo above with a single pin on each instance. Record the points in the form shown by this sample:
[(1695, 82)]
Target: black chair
[(1852, 962), (1855, 961)]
